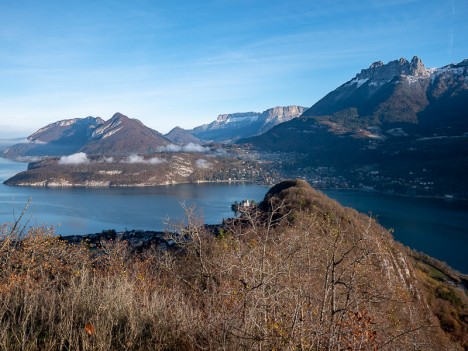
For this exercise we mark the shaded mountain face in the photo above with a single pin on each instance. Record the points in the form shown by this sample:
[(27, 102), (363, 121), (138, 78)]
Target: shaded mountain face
[(398, 127), (59, 138), (231, 127), (118, 136), (181, 136), (76, 127), (121, 136), (8, 142), (400, 93)]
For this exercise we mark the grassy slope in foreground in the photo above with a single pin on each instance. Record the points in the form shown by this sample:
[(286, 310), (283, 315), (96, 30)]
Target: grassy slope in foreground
[(299, 272)]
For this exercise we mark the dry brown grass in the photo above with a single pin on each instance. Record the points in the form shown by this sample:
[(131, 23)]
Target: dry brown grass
[(317, 280), (56, 296)]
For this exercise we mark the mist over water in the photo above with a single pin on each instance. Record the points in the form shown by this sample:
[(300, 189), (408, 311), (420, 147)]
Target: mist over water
[(437, 227)]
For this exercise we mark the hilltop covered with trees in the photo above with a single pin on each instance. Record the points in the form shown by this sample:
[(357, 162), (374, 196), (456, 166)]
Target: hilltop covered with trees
[(296, 272)]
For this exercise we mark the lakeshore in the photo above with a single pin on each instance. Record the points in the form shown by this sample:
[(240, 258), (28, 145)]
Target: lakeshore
[(437, 227)]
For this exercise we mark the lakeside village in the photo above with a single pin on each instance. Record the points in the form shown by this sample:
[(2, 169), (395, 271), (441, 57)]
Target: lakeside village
[(416, 182), (277, 166)]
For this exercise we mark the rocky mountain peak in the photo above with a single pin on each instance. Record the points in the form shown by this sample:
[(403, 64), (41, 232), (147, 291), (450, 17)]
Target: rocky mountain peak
[(54, 130), (90, 120), (179, 135), (118, 116), (282, 114), (379, 71), (222, 118), (376, 64), (233, 126), (177, 129), (417, 68)]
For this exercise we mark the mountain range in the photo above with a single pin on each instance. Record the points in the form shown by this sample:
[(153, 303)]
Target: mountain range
[(393, 127), (118, 136), (396, 127), (234, 126), (401, 93)]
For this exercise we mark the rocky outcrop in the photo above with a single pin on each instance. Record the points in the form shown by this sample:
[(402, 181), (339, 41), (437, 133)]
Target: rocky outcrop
[(379, 71), (231, 127)]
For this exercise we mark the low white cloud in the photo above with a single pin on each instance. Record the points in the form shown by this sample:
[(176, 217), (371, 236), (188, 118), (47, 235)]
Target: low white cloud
[(140, 159), (202, 163), (135, 159), (156, 160), (36, 141), (28, 158), (14, 141), (190, 147), (106, 160), (220, 152), (75, 159), (171, 148)]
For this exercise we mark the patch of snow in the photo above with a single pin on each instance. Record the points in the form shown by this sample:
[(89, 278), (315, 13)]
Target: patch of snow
[(67, 122), (111, 132), (140, 159), (103, 129), (246, 118), (190, 147), (357, 81), (64, 123), (376, 84), (456, 71), (414, 79)]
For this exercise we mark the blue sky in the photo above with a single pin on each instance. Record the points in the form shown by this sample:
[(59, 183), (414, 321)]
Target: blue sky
[(182, 63)]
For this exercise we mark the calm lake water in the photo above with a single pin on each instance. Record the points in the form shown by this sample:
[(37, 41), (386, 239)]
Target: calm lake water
[(437, 227)]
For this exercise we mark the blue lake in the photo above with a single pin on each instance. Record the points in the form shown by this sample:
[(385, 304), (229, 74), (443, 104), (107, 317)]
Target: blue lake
[(437, 227)]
